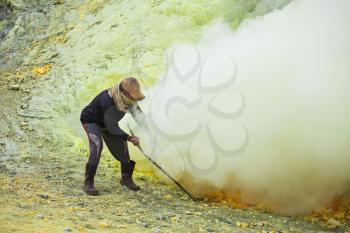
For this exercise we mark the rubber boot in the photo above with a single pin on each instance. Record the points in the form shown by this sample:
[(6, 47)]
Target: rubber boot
[(126, 179), (89, 187)]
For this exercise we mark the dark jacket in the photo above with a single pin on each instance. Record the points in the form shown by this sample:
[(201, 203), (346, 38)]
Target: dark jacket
[(103, 112)]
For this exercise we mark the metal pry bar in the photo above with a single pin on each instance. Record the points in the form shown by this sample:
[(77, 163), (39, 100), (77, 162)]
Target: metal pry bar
[(160, 168)]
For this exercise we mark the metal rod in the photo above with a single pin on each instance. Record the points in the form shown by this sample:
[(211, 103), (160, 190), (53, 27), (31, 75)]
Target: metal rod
[(160, 168)]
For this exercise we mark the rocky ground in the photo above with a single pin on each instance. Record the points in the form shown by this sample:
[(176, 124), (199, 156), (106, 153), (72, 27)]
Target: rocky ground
[(41, 174), (41, 192)]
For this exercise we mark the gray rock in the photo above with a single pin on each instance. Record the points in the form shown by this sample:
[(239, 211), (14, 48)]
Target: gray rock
[(210, 229), (14, 87), (24, 106), (23, 206), (67, 229), (27, 91), (43, 196), (261, 224), (39, 216), (161, 217), (13, 173), (144, 224), (334, 222), (89, 226)]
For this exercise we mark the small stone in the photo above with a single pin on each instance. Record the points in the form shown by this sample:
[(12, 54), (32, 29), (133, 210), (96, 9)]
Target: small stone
[(210, 229), (14, 87), (44, 196), (39, 216), (67, 229), (168, 197), (144, 224), (198, 213), (261, 224), (104, 225), (334, 222), (24, 106), (59, 2), (242, 224), (88, 226), (184, 198), (26, 91), (24, 206), (161, 217), (24, 124), (13, 173)]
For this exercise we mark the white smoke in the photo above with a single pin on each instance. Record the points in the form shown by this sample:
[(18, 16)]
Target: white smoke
[(283, 109)]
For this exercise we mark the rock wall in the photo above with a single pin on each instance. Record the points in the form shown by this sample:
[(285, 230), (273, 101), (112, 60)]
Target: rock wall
[(64, 52)]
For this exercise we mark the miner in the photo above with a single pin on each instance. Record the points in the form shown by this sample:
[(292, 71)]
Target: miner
[(100, 120)]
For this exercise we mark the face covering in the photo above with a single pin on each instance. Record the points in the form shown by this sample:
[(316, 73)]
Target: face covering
[(121, 101)]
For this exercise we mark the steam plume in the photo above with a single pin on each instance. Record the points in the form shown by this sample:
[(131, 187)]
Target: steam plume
[(283, 110)]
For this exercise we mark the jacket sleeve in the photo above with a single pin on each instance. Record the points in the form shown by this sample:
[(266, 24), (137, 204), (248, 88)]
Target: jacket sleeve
[(112, 125)]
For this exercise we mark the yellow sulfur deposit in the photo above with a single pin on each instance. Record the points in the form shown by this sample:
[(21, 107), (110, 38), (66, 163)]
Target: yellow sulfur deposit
[(40, 70)]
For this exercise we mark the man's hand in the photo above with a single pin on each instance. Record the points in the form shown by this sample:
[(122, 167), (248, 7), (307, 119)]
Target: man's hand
[(134, 140)]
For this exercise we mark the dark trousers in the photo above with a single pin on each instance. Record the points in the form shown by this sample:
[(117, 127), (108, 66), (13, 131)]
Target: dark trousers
[(116, 145)]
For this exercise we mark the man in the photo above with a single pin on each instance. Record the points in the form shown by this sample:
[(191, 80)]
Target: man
[(100, 121)]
